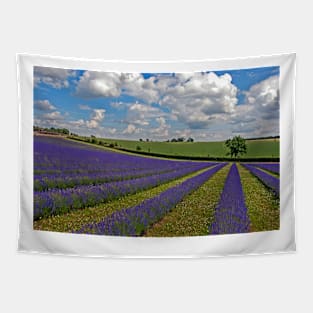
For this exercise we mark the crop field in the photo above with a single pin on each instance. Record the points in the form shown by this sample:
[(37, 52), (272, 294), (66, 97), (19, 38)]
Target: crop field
[(255, 148), (82, 189)]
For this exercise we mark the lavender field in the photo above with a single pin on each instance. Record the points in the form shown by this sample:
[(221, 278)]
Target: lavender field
[(83, 189)]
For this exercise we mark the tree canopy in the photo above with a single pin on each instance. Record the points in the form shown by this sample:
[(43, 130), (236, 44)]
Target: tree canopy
[(236, 146)]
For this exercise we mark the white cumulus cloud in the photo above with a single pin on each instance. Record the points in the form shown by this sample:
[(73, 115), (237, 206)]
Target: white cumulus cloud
[(203, 105), (44, 105), (131, 129), (54, 77), (96, 118), (94, 122), (259, 115), (137, 86), (198, 98), (56, 115), (264, 97), (110, 84), (99, 84), (163, 129), (142, 114)]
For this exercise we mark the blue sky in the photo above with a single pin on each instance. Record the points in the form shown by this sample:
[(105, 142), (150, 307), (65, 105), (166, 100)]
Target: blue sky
[(207, 106)]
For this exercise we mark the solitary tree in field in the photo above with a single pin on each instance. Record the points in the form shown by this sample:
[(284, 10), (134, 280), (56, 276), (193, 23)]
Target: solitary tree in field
[(237, 146)]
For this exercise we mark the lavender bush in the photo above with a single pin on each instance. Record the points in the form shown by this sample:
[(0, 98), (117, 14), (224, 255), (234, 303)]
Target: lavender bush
[(231, 212), (59, 163), (272, 167), (50, 181), (57, 201), (267, 179), (133, 221)]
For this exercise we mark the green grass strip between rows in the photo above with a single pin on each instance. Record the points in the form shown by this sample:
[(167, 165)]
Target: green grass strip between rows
[(262, 205), (193, 215)]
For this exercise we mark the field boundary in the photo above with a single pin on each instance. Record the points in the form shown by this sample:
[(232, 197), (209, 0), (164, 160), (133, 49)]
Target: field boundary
[(181, 157)]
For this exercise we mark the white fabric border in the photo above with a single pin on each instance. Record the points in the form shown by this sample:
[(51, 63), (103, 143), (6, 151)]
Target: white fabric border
[(278, 241)]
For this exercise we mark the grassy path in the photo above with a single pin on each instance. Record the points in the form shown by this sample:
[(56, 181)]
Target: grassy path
[(192, 216), (263, 206), (74, 220)]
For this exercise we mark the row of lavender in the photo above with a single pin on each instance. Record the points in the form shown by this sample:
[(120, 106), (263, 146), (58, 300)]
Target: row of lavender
[(56, 193), (57, 201), (72, 176), (53, 181), (60, 163), (268, 180), (59, 156), (133, 221), (231, 214), (271, 167)]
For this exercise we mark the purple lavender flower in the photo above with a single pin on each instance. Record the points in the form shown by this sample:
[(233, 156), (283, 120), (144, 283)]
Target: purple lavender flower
[(133, 221), (56, 201), (267, 179), (231, 212), (70, 175), (44, 182), (271, 167), (60, 163)]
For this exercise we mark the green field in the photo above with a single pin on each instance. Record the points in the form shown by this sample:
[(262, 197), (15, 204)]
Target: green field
[(255, 148)]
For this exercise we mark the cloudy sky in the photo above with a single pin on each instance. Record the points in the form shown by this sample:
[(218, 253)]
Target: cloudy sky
[(208, 106)]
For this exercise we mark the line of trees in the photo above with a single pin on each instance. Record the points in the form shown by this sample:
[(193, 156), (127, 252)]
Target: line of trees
[(63, 131), (267, 137), (181, 139), (147, 140)]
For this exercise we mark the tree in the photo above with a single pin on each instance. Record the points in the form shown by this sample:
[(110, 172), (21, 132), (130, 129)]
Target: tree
[(190, 139), (237, 146)]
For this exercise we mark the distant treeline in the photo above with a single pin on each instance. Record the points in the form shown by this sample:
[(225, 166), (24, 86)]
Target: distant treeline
[(52, 130), (262, 138), (179, 139)]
